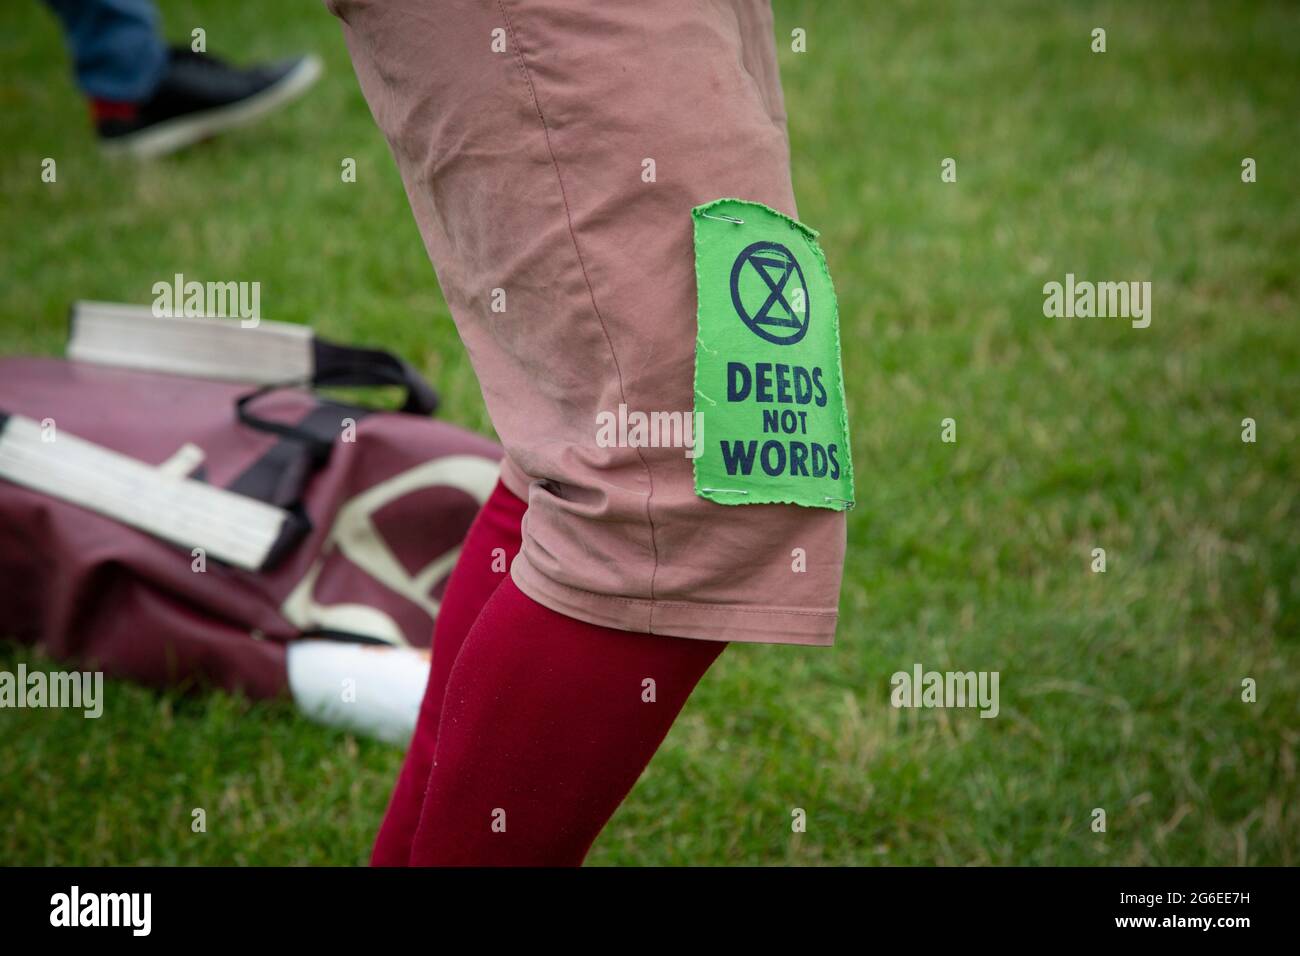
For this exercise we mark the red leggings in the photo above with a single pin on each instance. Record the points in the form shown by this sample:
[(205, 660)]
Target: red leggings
[(534, 725)]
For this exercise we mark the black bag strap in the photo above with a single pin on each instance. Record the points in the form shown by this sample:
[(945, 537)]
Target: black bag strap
[(318, 446), (349, 365), (281, 474), (341, 365)]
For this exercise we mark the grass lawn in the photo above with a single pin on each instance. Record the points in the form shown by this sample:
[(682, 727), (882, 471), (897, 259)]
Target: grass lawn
[(1119, 690)]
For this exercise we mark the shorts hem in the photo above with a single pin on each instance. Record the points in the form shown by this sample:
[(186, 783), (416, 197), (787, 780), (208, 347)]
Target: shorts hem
[(744, 623), (513, 477)]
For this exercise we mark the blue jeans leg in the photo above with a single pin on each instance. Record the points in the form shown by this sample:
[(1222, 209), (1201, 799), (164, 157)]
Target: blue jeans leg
[(117, 50)]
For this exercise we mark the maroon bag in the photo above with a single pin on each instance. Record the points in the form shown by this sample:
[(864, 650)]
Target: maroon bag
[(164, 527)]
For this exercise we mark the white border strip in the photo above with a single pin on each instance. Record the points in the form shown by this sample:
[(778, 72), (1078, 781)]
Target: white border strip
[(131, 336), (229, 527)]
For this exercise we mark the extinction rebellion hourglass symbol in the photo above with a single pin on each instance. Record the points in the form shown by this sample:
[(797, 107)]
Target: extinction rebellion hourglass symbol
[(770, 294)]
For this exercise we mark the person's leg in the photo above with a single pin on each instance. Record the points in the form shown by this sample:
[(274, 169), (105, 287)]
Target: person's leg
[(490, 545), (118, 53), (147, 99), (552, 152), (546, 725)]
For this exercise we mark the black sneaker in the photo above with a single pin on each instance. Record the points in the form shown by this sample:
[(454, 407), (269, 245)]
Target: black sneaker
[(198, 97)]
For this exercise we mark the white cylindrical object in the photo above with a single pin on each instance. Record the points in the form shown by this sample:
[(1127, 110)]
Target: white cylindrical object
[(370, 689)]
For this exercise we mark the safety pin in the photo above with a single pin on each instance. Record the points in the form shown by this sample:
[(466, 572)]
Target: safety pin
[(739, 222), (734, 491), (847, 501)]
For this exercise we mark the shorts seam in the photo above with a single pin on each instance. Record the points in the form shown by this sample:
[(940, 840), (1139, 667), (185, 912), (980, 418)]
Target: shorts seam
[(591, 292)]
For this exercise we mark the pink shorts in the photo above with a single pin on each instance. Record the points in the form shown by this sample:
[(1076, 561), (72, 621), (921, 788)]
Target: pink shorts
[(552, 151)]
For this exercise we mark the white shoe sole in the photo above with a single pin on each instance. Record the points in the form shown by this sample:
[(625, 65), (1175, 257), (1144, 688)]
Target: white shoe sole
[(171, 135)]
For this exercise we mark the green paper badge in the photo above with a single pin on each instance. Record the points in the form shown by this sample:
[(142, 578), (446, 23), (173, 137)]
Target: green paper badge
[(769, 391)]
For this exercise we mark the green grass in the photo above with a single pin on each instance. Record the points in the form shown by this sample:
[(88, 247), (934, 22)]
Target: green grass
[(1119, 690)]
